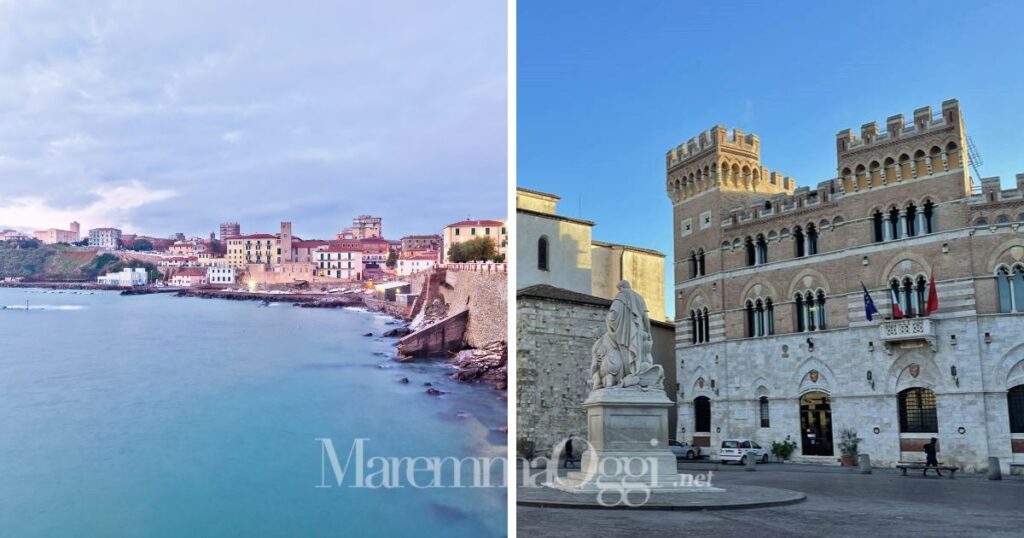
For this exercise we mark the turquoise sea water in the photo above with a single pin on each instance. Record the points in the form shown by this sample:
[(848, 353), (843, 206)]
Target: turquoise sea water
[(163, 416)]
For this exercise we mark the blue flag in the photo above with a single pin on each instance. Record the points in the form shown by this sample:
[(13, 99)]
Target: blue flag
[(869, 305)]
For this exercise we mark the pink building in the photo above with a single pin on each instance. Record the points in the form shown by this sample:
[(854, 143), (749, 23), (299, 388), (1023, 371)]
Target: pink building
[(53, 235), (189, 277)]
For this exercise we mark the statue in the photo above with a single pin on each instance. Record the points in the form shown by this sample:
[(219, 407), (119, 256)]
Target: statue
[(621, 357)]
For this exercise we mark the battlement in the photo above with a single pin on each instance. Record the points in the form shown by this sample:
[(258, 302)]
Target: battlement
[(924, 122), (716, 137), (993, 193), (782, 203)]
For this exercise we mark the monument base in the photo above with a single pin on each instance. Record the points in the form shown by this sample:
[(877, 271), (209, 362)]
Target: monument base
[(627, 445)]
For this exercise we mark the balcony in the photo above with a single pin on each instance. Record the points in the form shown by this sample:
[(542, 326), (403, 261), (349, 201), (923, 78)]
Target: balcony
[(911, 330)]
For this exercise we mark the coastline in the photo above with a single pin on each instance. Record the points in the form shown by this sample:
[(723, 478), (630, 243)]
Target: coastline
[(472, 365)]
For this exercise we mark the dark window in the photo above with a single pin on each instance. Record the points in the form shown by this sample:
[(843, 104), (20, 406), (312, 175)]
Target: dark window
[(812, 240), (930, 221), (751, 254), (765, 423), (798, 240), (707, 326), (1015, 404), (801, 316), (912, 221), (918, 412), (542, 254), (700, 263), (702, 414), (751, 331), (877, 221)]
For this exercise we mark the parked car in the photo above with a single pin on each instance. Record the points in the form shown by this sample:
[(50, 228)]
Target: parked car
[(684, 450), (740, 449)]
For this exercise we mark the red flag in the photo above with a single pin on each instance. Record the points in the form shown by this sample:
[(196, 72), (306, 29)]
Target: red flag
[(933, 296), (897, 312)]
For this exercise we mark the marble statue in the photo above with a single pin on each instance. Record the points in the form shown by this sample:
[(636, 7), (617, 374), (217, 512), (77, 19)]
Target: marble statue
[(621, 357)]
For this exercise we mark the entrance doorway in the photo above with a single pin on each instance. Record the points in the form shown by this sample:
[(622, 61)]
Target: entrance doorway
[(816, 424)]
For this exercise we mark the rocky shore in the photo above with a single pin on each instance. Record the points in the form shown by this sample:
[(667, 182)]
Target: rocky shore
[(307, 300), (488, 364)]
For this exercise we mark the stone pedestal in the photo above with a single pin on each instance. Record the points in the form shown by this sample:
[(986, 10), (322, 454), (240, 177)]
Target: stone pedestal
[(627, 444)]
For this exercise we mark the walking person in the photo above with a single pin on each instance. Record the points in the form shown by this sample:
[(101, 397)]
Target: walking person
[(932, 461), (568, 452)]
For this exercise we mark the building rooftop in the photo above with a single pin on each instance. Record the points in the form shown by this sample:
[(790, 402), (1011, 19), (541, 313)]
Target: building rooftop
[(462, 223)]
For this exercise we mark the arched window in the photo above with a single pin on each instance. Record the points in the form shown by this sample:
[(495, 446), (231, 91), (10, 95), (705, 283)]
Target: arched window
[(762, 250), (751, 326), (769, 317), (801, 314), (812, 240), (702, 414), (1015, 405), (877, 226), (542, 253), (701, 269), (751, 254), (798, 241), (901, 299), (930, 221), (921, 296), (700, 326), (693, 264), (911, 216), (820, 309), (918, 412), (981, 222), (759, 317), (765, 419), (895, 230)]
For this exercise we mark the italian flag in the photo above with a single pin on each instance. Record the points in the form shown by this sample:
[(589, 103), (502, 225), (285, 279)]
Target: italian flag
[(897, 312)]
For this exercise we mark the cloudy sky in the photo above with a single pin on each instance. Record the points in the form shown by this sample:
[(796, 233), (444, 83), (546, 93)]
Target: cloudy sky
[(163, 117)]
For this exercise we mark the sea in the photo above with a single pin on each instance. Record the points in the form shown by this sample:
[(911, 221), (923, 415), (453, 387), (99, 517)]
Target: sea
[(158, 415)]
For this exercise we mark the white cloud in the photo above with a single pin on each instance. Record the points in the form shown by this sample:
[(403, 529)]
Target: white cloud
[(113, 205), (338, 98)]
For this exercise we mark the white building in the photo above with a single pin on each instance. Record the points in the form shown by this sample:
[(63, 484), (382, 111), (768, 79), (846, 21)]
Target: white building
[(416, 263), (344, 263), (105, 238), (128, 277), (559, 251), (221, 274)]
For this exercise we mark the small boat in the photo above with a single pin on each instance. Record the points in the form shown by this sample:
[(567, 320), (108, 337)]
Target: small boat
[(266, 302)]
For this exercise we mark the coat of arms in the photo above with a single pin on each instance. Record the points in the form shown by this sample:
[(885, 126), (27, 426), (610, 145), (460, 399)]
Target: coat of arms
[(813, 375), (700, 382), (915, 369)]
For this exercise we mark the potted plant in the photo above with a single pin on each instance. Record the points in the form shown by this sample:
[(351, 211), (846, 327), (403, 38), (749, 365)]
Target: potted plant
[(848, 442), (783, 450)]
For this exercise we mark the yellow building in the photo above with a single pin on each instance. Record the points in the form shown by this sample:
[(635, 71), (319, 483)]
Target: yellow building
[(471, 229)]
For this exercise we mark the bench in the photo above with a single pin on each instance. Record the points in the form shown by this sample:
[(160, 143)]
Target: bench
[(916, 466)]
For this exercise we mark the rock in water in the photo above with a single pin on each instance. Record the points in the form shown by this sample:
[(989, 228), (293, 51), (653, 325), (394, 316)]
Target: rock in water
[(368, 334), (404, 380), (434, 392), (488, 364)]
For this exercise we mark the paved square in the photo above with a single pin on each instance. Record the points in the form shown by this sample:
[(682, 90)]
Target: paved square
[(839, 502)]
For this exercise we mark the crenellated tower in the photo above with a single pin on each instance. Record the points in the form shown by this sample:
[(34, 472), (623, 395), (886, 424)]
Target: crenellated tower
[(930, 145)]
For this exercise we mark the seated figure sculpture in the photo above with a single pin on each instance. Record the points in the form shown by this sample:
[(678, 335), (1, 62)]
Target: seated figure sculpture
[(621, 357)]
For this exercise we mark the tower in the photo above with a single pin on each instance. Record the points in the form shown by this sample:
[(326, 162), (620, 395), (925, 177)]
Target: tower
[(76, 229), (705, 178), (285, 255)]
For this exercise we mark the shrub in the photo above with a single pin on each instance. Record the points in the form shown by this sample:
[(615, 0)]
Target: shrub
[(784, 449)]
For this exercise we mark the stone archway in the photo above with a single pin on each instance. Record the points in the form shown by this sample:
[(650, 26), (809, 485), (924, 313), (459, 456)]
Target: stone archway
[(816, 424)]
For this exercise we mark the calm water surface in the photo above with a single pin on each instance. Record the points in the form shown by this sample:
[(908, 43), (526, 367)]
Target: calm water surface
[(164, 416)]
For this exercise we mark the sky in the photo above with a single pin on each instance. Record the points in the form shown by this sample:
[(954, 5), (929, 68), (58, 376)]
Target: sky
[(604, 89), (164, 117)]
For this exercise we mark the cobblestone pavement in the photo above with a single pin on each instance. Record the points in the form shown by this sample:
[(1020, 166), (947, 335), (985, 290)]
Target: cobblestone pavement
[(839, 502)]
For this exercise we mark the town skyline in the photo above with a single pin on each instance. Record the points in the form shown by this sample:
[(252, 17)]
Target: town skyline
[(117, 116)]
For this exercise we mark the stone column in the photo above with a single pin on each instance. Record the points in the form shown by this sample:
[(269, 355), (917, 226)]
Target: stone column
[(886, 227), (945, 161), (922, 226), (899, 172), (903, 224), (881, 175), (913, 168), (807, 243)]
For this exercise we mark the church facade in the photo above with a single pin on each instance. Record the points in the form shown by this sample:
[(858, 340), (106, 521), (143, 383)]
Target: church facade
[(772, 337)]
